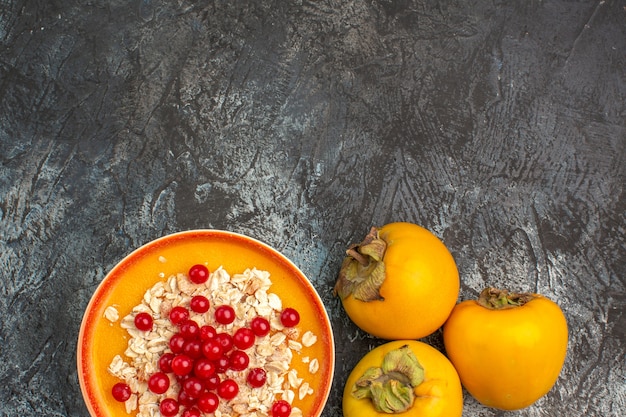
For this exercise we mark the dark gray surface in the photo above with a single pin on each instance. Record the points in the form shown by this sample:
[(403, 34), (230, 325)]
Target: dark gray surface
[(500, 126)]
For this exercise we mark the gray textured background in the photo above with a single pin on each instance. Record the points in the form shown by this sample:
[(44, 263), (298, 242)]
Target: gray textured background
[(500, 126)]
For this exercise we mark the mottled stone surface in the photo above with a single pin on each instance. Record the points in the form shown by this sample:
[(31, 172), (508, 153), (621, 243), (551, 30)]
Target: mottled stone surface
[(500, 126)]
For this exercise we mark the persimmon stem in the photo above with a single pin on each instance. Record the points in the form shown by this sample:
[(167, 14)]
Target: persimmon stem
[(357, 256), (390, 387), (496, 299), (363, 270)]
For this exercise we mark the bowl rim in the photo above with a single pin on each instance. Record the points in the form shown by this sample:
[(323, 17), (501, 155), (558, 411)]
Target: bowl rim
[(83, 371)]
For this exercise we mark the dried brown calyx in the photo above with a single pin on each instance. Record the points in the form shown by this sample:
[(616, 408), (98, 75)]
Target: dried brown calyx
[(496, 299), (363, 270)]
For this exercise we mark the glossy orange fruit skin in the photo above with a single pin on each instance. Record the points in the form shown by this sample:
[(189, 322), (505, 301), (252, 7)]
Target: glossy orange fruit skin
[(440, 395), (420, 289), (507, 359)]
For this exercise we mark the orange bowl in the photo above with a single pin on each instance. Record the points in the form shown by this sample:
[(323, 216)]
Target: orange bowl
[(100, 340)]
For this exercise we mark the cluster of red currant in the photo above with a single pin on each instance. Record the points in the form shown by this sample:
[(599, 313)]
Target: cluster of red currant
[(200, 356)]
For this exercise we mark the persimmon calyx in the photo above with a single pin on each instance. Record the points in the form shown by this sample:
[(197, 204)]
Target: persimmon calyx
[(390, 387), (363, 270), (496, 299)]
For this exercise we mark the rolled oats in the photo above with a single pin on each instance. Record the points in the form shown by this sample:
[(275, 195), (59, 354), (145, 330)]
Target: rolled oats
[(292, 378), (111, 314), (289, 396), (304, 390), (308, 338), (295, 345), (314, 366), (131, 403)]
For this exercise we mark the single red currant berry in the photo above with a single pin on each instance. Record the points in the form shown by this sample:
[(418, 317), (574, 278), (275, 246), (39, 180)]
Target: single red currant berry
[(281, 408), (193, 387), (143, 321), (198, 274), (185, 399), (260, 326), (158, 383), (212, 350), (189, 329), (208, 402), (244, 338), (207, 332), (239, 360), (228, 389), (289, 317), (203, 368), (191, 412), (199, 304), (165, 362), (225, 340), (212, 382), (225, 314), (182, 364), (121, 392), (222, 364), (177, 343), (256, 377), (193, 349), (168, 407), (179, 314)]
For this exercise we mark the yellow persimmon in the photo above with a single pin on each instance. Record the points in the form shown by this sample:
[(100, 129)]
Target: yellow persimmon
[(401, 282), (404, 377), (508, 348)]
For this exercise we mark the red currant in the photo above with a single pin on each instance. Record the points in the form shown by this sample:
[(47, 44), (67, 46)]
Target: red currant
[(222, 364), (143, 321), (225, 340), (121, 392), (191, 412), (198, 274), (238, 360), (185, 399), (193, 349), (182, 364), (193, 387), (244, 338), (165, 362), (199, 304), (260, 326), (207, 332), (169, 407), (179, 314), (159, 383), (212, 349), (212, 382), (281, 408), (256, 377), (208, 402), (203, 368), (289, 317), (189, 329), (225, 314), (177, 343), (228, 389)]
